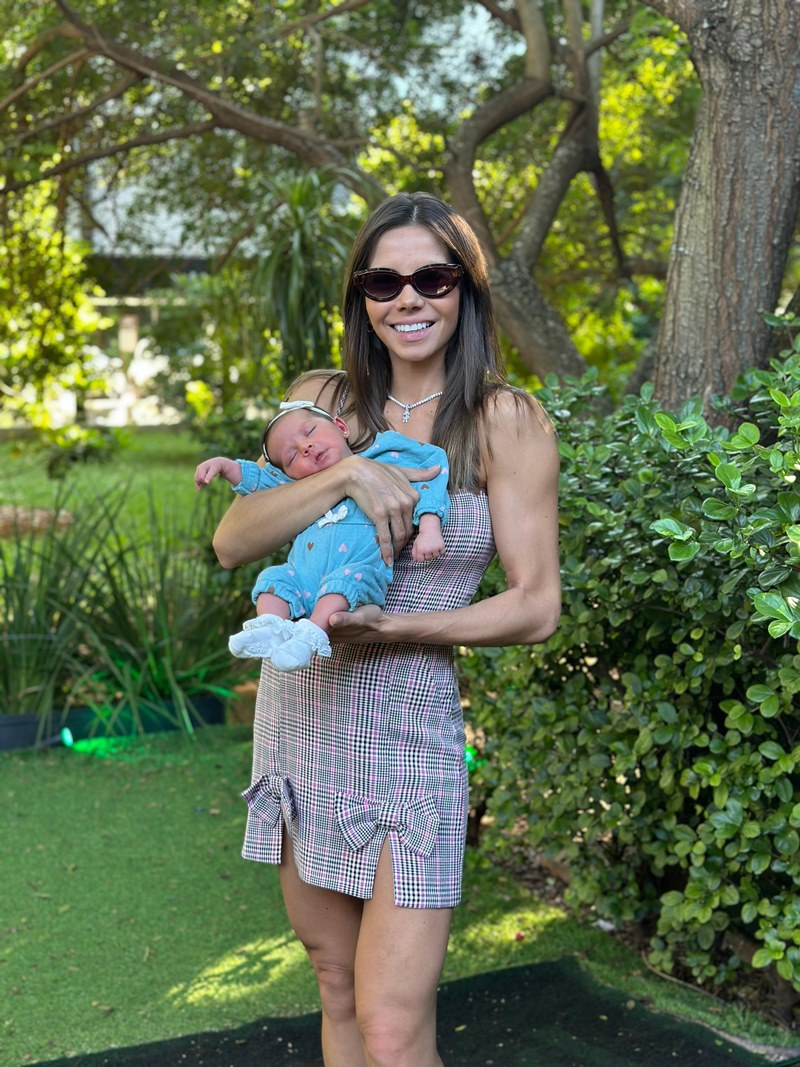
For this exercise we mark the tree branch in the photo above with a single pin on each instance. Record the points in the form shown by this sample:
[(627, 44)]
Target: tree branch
[(684, 12), (304, 144), (608, 38), (605, 194), (107, 152), (500, 110), (322, 16), (537, 41), (569, 159), (31, 83), (115, 91), (502, 14)]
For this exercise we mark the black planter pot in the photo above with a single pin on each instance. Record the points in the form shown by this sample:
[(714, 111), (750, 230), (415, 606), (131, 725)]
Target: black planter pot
[(20, 731)]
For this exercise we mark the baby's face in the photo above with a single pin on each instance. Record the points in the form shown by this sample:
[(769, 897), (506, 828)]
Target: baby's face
[(301, 443)]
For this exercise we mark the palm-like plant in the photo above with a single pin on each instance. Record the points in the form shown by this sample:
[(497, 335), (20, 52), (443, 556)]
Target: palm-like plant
[(298, 278), (45, 572)]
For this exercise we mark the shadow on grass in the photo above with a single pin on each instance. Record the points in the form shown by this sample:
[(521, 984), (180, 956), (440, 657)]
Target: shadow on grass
[(129, 914)]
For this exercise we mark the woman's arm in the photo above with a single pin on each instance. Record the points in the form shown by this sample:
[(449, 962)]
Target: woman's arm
[(522, 486), (259, 524), (256, 525)]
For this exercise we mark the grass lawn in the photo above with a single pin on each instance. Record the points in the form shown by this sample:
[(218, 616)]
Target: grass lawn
[(157, 464), (126, 912), (128, 915)]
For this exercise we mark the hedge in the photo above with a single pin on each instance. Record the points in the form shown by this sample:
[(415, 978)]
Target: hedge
[(652, 742)]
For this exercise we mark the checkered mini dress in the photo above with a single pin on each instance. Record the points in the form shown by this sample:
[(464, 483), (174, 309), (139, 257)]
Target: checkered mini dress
[(369, 744)]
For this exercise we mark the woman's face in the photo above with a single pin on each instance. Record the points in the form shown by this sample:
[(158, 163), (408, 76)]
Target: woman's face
[(414, 328)]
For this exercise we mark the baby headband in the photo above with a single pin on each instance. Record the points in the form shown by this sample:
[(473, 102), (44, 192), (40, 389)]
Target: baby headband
[(283, 409)]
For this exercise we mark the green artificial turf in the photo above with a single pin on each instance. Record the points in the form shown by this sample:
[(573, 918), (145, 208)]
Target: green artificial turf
[(128, 916)]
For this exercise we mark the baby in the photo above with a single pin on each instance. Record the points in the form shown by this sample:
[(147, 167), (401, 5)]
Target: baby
[(335, 564)]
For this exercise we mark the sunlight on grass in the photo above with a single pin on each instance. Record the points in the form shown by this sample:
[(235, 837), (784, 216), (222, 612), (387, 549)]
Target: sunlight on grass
[(535, 924), (247, 972)]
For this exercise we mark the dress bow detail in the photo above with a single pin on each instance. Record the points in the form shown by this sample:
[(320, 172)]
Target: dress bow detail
[(333, 516), (270, 796), (415, 824)]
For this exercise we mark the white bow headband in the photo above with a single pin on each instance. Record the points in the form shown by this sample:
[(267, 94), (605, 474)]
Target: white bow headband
[(283, 409)]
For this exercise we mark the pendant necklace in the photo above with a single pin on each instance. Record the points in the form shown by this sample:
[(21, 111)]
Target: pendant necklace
[(408, 408)]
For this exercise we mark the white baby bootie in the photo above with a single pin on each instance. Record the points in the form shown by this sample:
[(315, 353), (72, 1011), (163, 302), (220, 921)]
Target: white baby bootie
[(260, 637), (295, 654)]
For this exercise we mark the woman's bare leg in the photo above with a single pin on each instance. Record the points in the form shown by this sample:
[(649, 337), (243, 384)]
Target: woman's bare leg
[(328, 925), (398, 963)]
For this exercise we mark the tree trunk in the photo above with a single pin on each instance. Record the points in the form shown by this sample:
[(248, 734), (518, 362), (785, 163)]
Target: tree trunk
[(531, 324), (740, 196)]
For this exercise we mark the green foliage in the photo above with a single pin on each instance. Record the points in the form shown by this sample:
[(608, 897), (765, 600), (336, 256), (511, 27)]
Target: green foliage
[(160, 611), (46, 314), (234, 339), (653, 741), (298, 277), (130, 627), (393, 119), (81, 444), (43, 575), (217, 349)]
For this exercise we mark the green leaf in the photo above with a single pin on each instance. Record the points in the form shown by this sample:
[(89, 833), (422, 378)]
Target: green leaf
[(667, 711), (729, 475), (771, 750), (747, 435), (762, 957), (680, 553), (773, 606), (716, 509), (672, 528), (788, 843), (759, 692)]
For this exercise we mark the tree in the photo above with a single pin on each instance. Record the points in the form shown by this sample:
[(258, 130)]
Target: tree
[(524, 127), (738, 209), (264, 317), (47, 318)]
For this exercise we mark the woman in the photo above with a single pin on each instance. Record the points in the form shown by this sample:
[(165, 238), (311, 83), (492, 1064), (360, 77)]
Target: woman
[(359, 782)]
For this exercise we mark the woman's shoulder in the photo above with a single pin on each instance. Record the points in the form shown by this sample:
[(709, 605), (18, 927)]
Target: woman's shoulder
[(509, 410)]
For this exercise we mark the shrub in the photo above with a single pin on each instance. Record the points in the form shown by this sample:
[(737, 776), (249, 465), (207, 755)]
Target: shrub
[(159, 613), (652, 741), (44, 571), (80, 444), (133, 627)]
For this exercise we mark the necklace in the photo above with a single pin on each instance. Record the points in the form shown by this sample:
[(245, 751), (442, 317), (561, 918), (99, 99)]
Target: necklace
[(408, 408)]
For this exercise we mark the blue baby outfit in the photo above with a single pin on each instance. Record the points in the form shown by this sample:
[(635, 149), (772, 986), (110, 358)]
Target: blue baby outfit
[(340, 552)]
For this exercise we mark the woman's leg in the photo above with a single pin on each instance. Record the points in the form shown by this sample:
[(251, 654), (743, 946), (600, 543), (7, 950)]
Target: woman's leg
[(398, 963), (328, 925)]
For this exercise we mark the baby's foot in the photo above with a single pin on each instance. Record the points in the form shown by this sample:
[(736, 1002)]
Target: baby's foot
[(260, 637), (296, 653)]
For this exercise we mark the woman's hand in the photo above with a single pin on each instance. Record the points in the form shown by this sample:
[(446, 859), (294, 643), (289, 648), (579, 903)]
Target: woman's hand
[(386, 495), (362, 626)]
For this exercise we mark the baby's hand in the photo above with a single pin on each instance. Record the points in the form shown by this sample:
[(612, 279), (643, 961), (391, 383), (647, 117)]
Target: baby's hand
[(209, 469), (427, 546)]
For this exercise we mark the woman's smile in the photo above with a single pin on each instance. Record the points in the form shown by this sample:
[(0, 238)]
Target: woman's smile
[(413, 326)]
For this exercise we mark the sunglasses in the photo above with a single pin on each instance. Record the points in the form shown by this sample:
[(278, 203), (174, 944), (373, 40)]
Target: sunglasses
[(435, 280)]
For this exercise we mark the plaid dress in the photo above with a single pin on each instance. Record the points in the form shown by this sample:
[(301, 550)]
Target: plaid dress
[(369, 744)]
